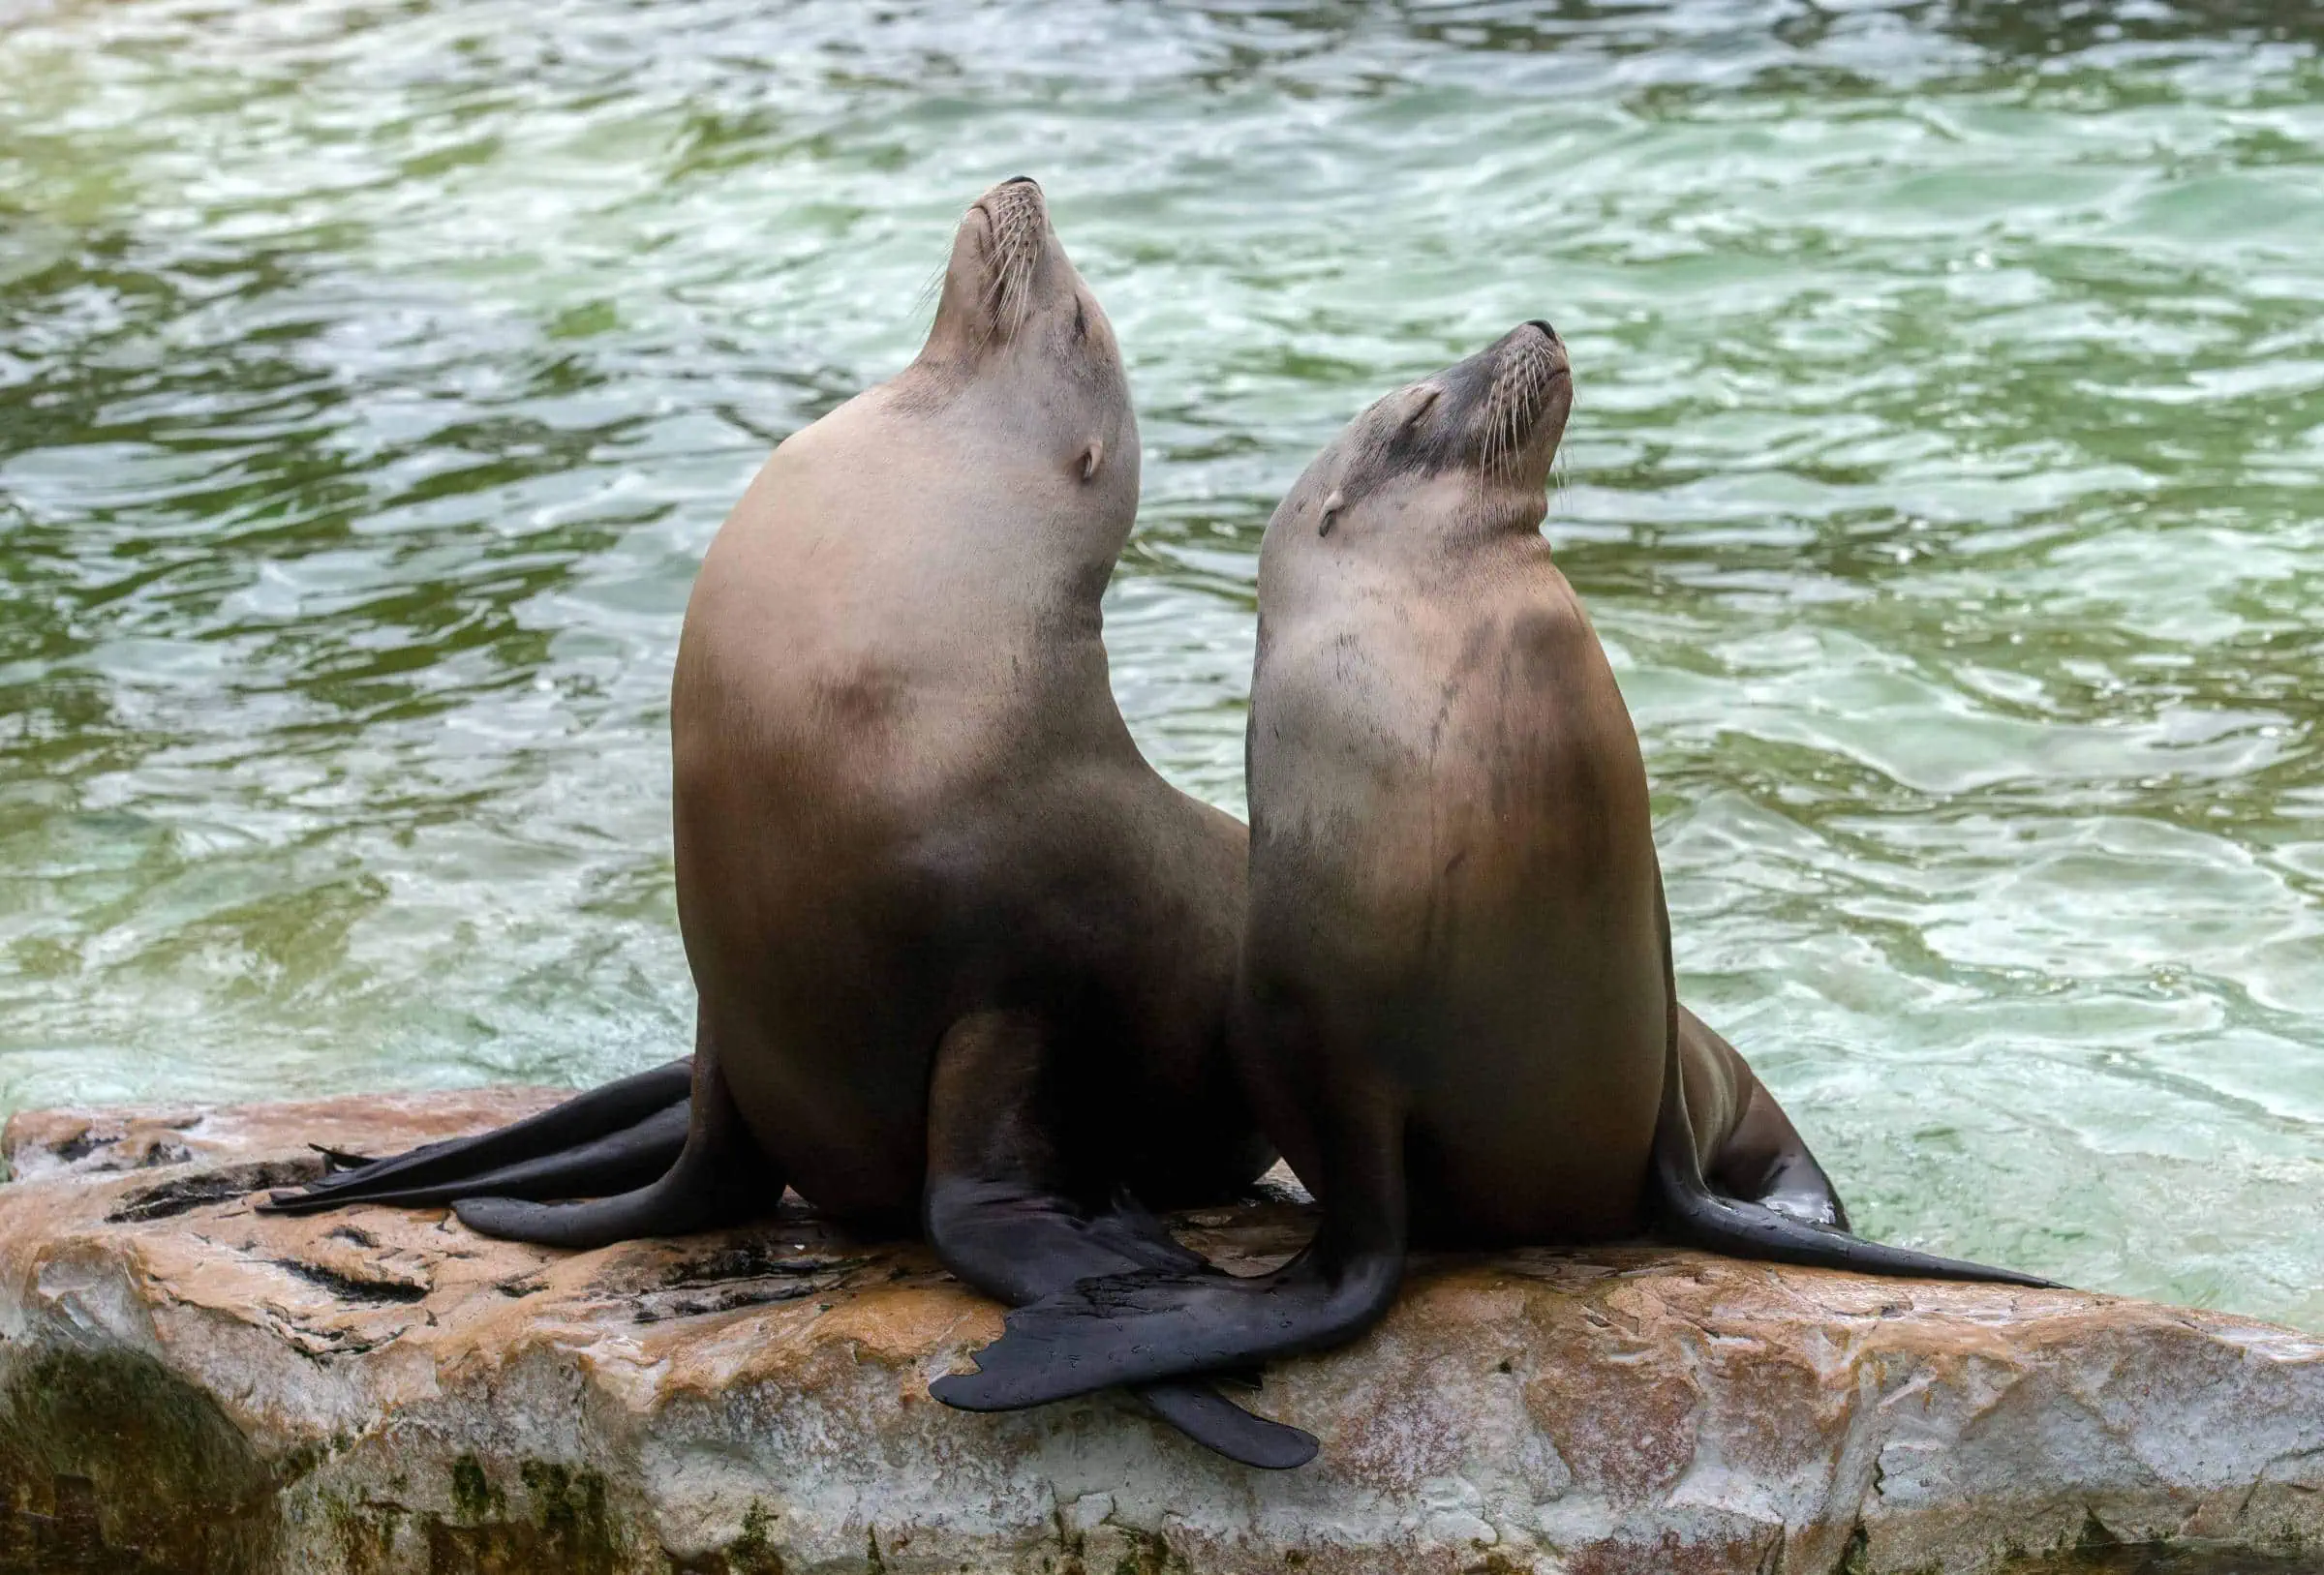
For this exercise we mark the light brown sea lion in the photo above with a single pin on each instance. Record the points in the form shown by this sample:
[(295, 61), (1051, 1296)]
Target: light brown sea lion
[(964, 960), (1462, 1024)]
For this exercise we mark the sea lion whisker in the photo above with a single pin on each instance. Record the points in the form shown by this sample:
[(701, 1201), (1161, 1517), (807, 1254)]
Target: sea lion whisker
[(1491, 463), (1512, 434), (1013, 259), (931, 292)]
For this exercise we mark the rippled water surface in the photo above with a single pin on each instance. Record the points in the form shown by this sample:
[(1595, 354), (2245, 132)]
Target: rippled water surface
[(1946, 480)]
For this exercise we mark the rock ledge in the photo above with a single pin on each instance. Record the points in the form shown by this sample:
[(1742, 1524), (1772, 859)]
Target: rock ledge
[(186, 1385)]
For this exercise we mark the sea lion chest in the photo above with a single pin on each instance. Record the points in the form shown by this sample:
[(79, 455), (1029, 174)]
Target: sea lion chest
[(1452, 870)]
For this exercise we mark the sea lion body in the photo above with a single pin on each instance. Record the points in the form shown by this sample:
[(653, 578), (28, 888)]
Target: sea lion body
[(1455, 901), (1480, 943), (964, 959), (1462, 1025), (905, 794)]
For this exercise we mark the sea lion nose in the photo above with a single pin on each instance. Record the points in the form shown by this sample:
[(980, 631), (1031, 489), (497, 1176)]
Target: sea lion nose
[(1020, 180), (1543, 326)]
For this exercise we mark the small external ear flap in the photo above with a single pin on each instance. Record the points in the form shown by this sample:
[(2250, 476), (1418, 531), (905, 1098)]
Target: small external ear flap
[(1331, 508), (1092, 457)]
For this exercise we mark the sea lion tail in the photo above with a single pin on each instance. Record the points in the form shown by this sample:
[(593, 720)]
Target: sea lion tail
[(621, 1133)]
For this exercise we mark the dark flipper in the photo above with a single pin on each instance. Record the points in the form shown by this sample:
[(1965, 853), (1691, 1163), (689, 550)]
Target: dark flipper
[(719, 1178), (1215, 1422), (612, 1163), (1000, 1213), (1696, 1216), (1762, 1158), (1140, 1328), (453, 1166)]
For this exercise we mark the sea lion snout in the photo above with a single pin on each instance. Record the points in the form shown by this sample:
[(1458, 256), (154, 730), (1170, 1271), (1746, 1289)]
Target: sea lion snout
[(1527, 396), (1488, 427), (1016, 220), (1532, 346), (1004, 262)]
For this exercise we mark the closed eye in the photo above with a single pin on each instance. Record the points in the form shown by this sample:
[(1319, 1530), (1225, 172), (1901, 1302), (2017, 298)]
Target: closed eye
[(1421, 406), (1080, 318)]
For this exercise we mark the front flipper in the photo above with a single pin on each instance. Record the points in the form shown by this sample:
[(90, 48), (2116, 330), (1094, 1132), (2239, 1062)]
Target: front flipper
[(1140, 1328), (452, 1169), (1170, 1323), (1000, 1214)]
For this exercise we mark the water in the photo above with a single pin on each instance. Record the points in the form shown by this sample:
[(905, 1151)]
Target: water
[(1946, 480)]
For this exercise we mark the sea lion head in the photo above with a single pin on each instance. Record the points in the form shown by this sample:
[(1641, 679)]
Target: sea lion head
[(1020, 339), (1465, 450)]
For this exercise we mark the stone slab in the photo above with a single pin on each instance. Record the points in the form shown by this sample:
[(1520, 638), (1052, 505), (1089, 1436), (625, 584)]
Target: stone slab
[(187, 1385)]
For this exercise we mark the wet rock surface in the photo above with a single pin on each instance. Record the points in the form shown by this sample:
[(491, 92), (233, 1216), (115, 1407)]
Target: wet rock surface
[(187, 1385)]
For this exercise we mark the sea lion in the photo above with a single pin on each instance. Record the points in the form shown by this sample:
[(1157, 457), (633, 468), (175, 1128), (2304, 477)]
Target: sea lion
[(964, 959), (1462, 1027)]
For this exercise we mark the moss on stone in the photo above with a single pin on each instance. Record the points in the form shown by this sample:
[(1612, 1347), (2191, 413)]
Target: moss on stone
[(109, 1461), (472, 1494), (1148, 1554)]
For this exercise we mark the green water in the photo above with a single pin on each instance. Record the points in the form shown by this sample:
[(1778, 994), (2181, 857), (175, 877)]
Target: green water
[(1946, 480)]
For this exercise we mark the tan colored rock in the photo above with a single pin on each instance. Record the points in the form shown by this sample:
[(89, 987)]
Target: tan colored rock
[(188, 1385)]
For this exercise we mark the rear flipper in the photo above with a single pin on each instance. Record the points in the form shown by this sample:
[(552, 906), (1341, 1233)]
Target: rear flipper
[(438, 1172), (1000, 1211), (1786, 1221), (719, 1177), (613, 1163), (1697, 1217), (1763, 1157), (1216, 1423), (1793, 1215)]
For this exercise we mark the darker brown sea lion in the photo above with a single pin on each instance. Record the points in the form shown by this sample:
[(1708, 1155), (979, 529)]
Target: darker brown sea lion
[(964, 960), (1463, 1027)]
